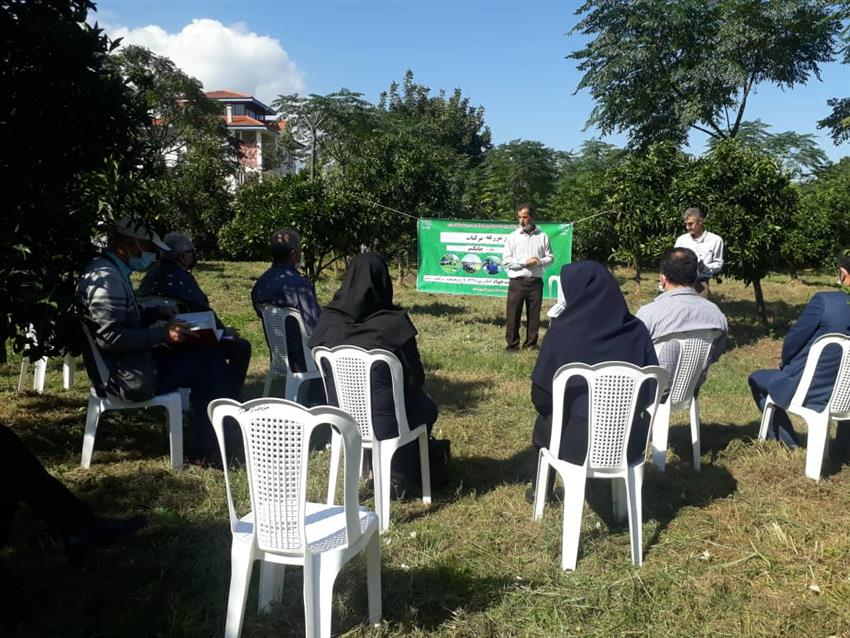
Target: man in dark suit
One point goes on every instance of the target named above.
(826, 312)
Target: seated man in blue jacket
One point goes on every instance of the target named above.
(826, 312)
(172, 277)
(137, 350)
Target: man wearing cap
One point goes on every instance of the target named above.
(136, 349)
(172, 277)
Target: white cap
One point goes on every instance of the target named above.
(137, 230)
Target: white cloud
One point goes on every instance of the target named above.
(222, 57)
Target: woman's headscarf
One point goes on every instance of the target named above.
(362, 312)
(595, 326)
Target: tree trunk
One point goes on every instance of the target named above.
(637, 276)
(761, 310)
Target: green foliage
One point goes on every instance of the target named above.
(643, 190)
(61, 188)
(658, 68)
(821, 225)
(327, 220)
(451, 122)
(189, 155)
(510, 174)
(799, 152)
(316, 124)
(580, 196)
(398, 168)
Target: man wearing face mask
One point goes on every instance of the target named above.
(135, 348)
(525, 256)
(172, 277)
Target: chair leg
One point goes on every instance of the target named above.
(174, 421)
(39, 376)
(425, 467)
(660, 430)
(267, 387)
(69, 369)
(22, 378)
(333, 470)
(381, 474)
(373, 579)
(573, 507)
(271, 585)
(540, 495)
(766, 418)
(318, 595)
(290, 388)
(695, 442)
(93, 413)
(241, 563)
(816, 446)
(634, 485)
(619, 498)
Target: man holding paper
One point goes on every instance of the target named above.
(525, 256)
(172, 277)
(137, 350)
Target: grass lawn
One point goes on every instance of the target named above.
(748, 546)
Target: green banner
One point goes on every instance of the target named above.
(464, 257)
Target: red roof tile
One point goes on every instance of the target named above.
(216, 95)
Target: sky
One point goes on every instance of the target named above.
(508, 56)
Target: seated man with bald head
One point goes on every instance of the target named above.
(172, 277)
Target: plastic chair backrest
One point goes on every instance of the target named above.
(554, 283)
(274, 327)
(839, 401)
(96, 367)
(351, 371)
(614, 388)
(276, 435)
(691, 350)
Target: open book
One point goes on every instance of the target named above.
(203, 325)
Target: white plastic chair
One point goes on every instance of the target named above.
(351, 372)
(836, 409)
(554, 284)
(101, 401)
(688, 354)
(40, 371)
(69, 369)
(283, 528)
(613, 392)
(274, 326)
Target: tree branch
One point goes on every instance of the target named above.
(747, 86)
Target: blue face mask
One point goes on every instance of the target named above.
(143, 262)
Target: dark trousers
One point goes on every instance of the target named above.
(24, 479)
(528, 291)
(205, 373)
(237, 353)
(781, 427)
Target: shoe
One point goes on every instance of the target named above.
(532, 347)
(512, 349)
(99, 532)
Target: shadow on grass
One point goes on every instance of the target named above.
(714, 438)
(437, 309)
(482, 474)
(744, 326)
(453, 394)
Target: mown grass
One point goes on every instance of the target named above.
(748, 546)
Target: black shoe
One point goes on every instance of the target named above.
(533, 346)
(99, 532)
(205, 462)
(512, 349)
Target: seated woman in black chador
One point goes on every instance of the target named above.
(362, 314)
(595, 326)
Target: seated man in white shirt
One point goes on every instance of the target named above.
(680, 308)
(707, 246)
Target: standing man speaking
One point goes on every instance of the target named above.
(526, 255)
